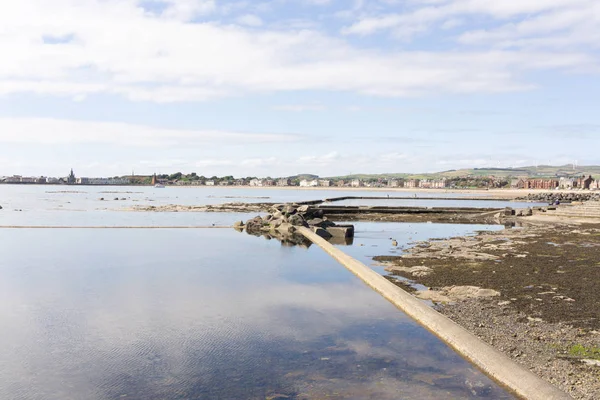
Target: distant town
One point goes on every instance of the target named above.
(471, 179)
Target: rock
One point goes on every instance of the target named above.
(297, 220)
(0, 207)
(255, 224)
(418, 271)
(455, 293)
(290, 209)
(116, 198)
(277, 214)
(303, 209)
(276, 223)
(394, 243)
(101, 199)
(322, 233)
(238, 224)
(286, 229)
(315, 222)
(322, 223)
(528, 212)
(341, 230)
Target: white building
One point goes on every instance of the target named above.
(256, 182)
(210, 183)
(325, 182)
(357, 183)
(28, 179)
(307, 183)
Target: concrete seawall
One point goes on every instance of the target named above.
(496, 365)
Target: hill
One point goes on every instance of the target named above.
(540, 171)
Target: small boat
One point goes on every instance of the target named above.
(159, 186)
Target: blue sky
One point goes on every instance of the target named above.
(296, 86)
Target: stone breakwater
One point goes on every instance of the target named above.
(284, 219)
(551, 197)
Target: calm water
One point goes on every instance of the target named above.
(206, 314)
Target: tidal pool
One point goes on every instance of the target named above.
(205, 314)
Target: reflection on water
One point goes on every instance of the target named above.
(205, 314)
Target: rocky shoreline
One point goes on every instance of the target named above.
(550, 197)
(531, 293)
(225, 208)
(282, 221)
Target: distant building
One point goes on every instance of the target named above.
(27, 179)
(341, 183)
(210, 183)
(284, 182)
(71, 180)
(432, 183)
(545, 184)
(240, 182)
(357, 183)
(269, 182)
(412, 183)
(393, 183)
(307, 183)
(585, 183)
(325, 182)
(256, 182)
(102, 181)
(13, 179)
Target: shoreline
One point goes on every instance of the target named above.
(504, 192)
(531, 293)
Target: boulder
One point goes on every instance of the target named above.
(297, 220)
(315, 222)
(341, 231)
(277, 214)
(322, 233)
(255, 224)
(303, 209)
(286, 229)
(290, 209)
(528, 212)
(277, 222)
(238, 224)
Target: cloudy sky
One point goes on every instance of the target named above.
(296, 86)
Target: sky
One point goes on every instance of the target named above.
(283, 87)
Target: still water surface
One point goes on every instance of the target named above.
(203, 314)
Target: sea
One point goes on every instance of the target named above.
(90, 309)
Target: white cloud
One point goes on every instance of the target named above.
(579, 19)
(117, 47)
(250, 20)
(67, 132)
